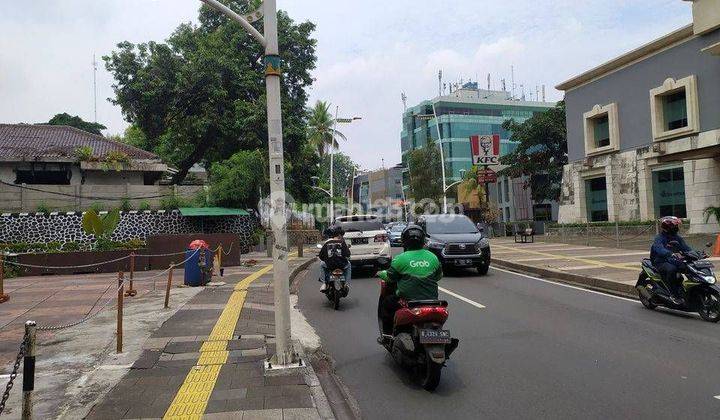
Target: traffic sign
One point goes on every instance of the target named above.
(486, 176)
(485, 149)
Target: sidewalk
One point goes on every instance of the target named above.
(206, 361)
(609, 269)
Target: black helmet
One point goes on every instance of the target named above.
(670, 224)
(413, 237)
(335, 230)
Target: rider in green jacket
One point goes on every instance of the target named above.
(415, 274)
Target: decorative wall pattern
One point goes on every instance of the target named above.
(67, 227)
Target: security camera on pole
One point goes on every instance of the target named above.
(285, 354)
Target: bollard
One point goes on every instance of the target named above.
(617, 234)
(169, 284)
(300, 248)
(269, 245)
(28, 371)
(131, 290)
(3, 296)
(587, 229)
(121, 287)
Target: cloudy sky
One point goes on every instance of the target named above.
(368, 51)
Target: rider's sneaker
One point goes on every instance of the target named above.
(324, 287)
(677, 300)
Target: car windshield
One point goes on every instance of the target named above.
(451, 224)
(398, 228)
(361, 225)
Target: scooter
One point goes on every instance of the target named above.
(336, 288)
(699, 283)
(418, 340)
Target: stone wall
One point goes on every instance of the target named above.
(67, 227)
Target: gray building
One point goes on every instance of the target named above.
(379, 191)
(644, 130)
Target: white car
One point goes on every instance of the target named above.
(367, 238)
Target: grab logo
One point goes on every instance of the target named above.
(415, 264)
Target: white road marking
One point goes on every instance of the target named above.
(566, 285)
(463, 298)
(717, 397)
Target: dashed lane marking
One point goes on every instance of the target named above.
(462, 298)
(717, 397)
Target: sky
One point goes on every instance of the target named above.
(368, 52)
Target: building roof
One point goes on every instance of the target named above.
(653, 47)
(23, 142)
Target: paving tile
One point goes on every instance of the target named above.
(147, 359)
(285, 380)
(262, 415)
(264, 391)
(216, 406)
(232, 415)
(229, 394)
(245, 404)
(300, 414)
(289, 401)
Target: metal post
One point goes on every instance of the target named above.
(268, 245)
(3, 296)
(587, 232)
(617, 234)
(120, 294)
(28, 371)
(169, 284)
(299, 247)
(284, 351)
(131, 290)
(442, 159)
(332, 166)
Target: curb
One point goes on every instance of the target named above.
(593, 283)
(300, 268)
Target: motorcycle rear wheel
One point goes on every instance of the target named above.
(642, 282)
(431, 375)
(709, 307)
(336, 300)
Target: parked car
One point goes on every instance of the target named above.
(395, 233)
(367, 238)
(456, 241)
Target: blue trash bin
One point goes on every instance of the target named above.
(193, 273)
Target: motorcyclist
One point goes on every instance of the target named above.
(334, 255)
(415, 274)
(666, 256)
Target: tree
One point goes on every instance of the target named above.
(237, 182)
(470, 186)
(425, 176)
(322, 134)
(344, 168)
(541, 154)
(77, 122)
(200, 96)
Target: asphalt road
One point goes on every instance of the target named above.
(537, 350)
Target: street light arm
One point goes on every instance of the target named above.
(323, 190)
(453, 184)
(241, 20)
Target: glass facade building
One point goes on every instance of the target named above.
(466, 112)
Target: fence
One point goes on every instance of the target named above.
(27, 198)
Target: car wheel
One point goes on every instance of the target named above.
(483, 269)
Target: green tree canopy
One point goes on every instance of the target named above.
(425, 175)
(237, 182)
(541, 154)
(322, 134)
(200, 96)
(77, 122)
(344, 168)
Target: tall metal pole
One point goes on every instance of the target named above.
(332, 166)
(278, 221)
(442, 159)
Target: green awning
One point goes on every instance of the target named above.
(211, 212)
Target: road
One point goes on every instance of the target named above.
(536, 350)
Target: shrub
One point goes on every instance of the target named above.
(125, 204)
(71, 246)
(53, 246)
(84, 154)
(96, 207)
(135, 243)
(172, 202)
(144, 205)
(43, 208)
(115, 160)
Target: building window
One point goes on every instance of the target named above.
(542, 212)
(669, 192)
(506, 189)
(596, 199)
(499, 192)
(602, 132)
(674, 108)
(43, 176)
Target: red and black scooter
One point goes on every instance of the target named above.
(418, 340)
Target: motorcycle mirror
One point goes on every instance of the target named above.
(383, 263)
(709, 245)
(318, 246)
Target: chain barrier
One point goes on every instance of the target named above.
(160, 255)
(14, 373)
(66, 266)
(86, 318)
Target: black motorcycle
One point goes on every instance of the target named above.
(336, 288)
(699, 285)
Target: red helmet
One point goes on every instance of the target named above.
(670, 224)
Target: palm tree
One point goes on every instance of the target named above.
(321, 132)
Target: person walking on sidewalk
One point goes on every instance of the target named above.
(666, 256)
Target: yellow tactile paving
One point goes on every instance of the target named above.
(568, 257)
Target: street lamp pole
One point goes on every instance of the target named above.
(284, 352)
(442, 159)
(332, 165)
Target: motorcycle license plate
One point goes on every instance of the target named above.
(435, 337)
